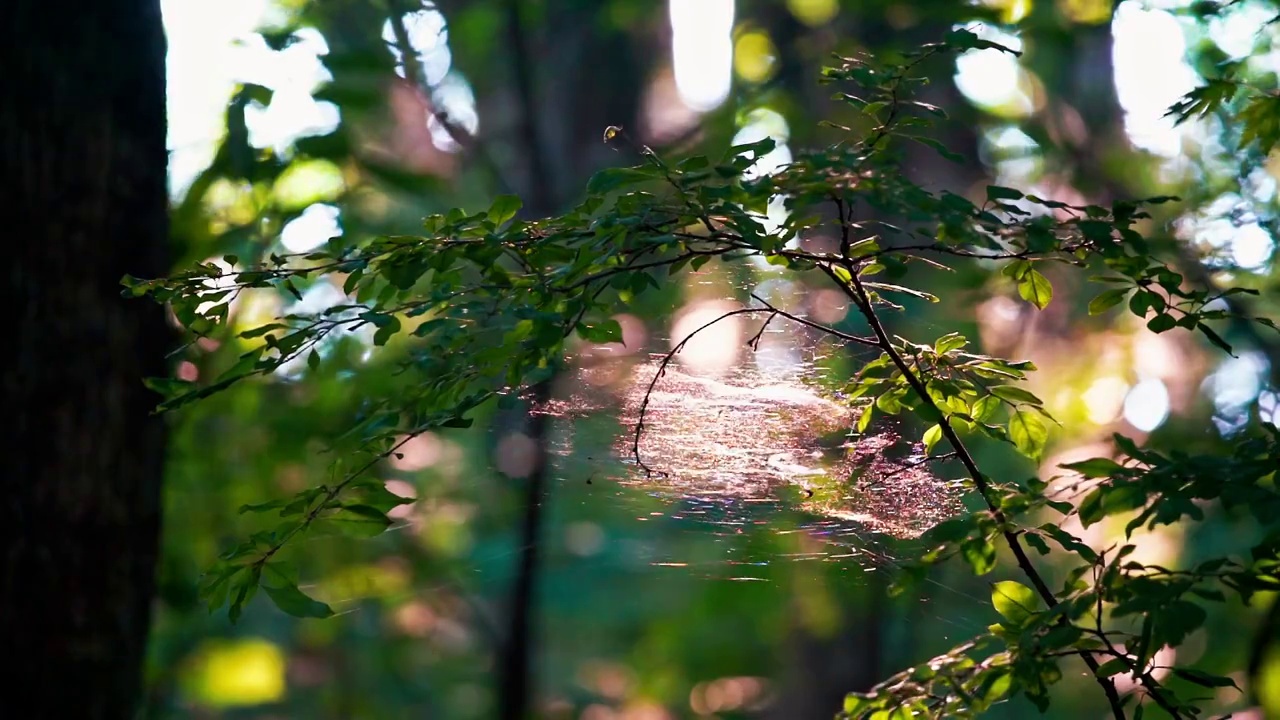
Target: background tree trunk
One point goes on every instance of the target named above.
(83, 161)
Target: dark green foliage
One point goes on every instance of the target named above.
(507, 293)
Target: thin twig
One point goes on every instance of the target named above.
(913, 465)
(670, 355)
(867, 342)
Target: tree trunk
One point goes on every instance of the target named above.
(82, 153)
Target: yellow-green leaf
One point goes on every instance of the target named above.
(931, 438)
(1014, 601)
(1106, 300)
(1028, 433)
(1035, 289)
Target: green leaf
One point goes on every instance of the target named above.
(360, 520)
(1215, 338)
(605, 331)
(1035, 289)
(1203, 100)
(215, 585)
(949, 342)
(1090, 510)
(1015, 395)
(1015, 602)
(242, 590)
(931, 438)
(264, 507)
(995, 686)
(756, 150)
(864, 420)
(1095, 467)
(1112, 667)
(612, 179)
(376, 495)
(928, 411)
(504, 208)
(950, 530)
(980, 554)
(284, 592)
(889, 403)
(996, 192)
(1028, 433)
(1162, 323)
(855, 703)
(386, 323)
(985, 408)
(1107, 300)
(968, 40)
(1016, 269)
(1205, 679)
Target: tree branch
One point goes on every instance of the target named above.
(859, 296)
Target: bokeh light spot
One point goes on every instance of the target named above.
(814, 12)
(1146, 407)
(238, 673)
(754, 56)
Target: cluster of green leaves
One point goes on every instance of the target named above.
(502, 292)
(506, 293)
(1244, 100)
(1116, 609)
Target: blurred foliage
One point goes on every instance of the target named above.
(419, 608)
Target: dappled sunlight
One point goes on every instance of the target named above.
(1159, 666)
(717, 348)
(306, 182)
(702, 50)
(1146, 406)
(608, 679)
(293, 73)
(1104, 399)
(1233, 386)
(516, 455)
(428, 35)
(314, 227)
(755, 58)
(729, 694)
(1226, 232)
(417, 141)
(1151, 74)
(828, 306)
(584, 539)
(814, 12)
(594, 361)
(418, 452)
(994, 80)
(665, 116)
(752, 436)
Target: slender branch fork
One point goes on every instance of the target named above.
(670, 355)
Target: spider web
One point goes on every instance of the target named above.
(737, 449)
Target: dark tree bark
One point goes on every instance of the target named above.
(82, 157)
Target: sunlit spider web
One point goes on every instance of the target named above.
(729, 446)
